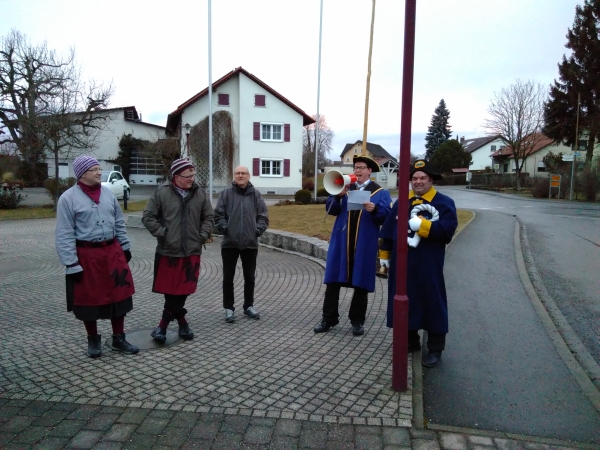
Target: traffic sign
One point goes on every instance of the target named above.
(555, 183)
(567, 157)
(555, 177)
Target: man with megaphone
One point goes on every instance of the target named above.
(354, 243)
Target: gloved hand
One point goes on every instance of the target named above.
(415, 223)
(75, 277)
(384, 263)
(127, 255)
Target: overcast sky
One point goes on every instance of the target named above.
(156, 53)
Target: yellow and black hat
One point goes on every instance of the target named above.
(370, 162)
(421, 165)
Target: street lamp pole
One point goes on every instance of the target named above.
(400, 337)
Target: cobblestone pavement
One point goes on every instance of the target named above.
(268, 383)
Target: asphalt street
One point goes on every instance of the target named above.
(500, 370)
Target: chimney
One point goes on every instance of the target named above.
(462, 139)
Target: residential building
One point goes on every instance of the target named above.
(257, 127)
(481, 150)
(121, 121)
(534, 160)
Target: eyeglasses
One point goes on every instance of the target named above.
(187, 177)
(241, 173)
(360, 168)
(97, 169)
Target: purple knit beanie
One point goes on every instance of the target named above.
(179, 165)
(82, 164)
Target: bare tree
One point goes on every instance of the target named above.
(517, 116)
(309, 145)
(44, 105)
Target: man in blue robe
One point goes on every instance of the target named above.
(353, 247)
(432, 222)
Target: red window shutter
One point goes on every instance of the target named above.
(257, 131)
(286, 132)
(259, 100)
(255, 167)
(224, 99)
(286, 167)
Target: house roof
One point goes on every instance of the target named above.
(377, 150)
(137, 118)
(471, 145)
(541, 141)
(460, 170)
(174, 118)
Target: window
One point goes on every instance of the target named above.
(271, 132)
(347, 159)
(355, 151)
(514, 166)
(271, 167)
(260, 100)
(223, 100)
(541, 167)
(493, 149)
(505, 168)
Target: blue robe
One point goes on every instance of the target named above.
(426, 290)
(354, 239)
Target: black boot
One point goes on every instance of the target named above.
(119, 344)
(94, 346)
(159, 334)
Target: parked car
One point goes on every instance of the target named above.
(116, 182)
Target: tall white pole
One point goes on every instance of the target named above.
(318, 100)
(210, 134)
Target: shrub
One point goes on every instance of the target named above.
(588, 182)
(541, 187)
(10, 199)
(64, 184)
(8, 176)
(303, 197)
(308, 185)
(322, 192)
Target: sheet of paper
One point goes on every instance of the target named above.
(357, 198)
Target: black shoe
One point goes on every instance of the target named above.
(119, 344)
(94, 346)
(185, 333)
(357, 329)
(324, 327)
(432, 360)
(159, 334)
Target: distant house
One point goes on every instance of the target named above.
(388, 163)
(123, 120)
(481, 150)
(534, 161)
(264, 133)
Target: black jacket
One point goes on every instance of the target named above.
(241, 217)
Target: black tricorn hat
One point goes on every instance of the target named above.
(370, 162)
(420, 165)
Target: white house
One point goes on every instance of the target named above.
(481, 150)
(534, 161)
(122, 121)
(266, 132)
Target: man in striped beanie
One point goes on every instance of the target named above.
(180, 216)
(82, 164)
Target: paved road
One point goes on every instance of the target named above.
(500, 370)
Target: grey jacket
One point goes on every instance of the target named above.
(241, 216)
(180, 225)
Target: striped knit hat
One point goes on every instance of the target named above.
(82, 164)
(179, 165)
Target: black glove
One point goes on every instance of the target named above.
(75, 277)
(127, 255)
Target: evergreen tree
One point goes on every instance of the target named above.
(579, 74)
(450, 155)
(439, 130)
(128, 145)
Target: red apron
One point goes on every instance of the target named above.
(106, 276)
(176, 276)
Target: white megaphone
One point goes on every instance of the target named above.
(334, 181)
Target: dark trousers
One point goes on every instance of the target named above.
(230, 257)
(436, 342)
(358, 306)
(174, 304)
